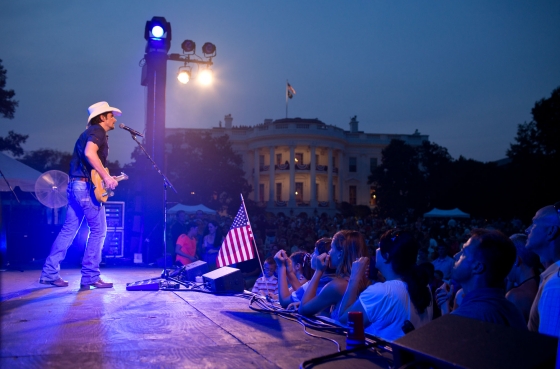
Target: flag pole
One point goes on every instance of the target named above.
(286, 99)
(254, 243)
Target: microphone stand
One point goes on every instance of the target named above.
(166, 183)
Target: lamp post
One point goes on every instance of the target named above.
(157, 34)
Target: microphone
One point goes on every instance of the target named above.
(133, 132)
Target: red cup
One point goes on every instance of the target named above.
(356, 335)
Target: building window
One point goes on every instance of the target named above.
(352, 195)
(278, 191)
(316, 191)
(353, 164)
(372, 197)
(316, 159)
(334, 161)
(261, 192)
(278, 159)
(372, 164)
(261, 161)
(299, 158)
(299, 191)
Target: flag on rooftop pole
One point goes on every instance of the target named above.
(291, 91)
(237, 245)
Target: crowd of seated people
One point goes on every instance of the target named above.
(394, 275)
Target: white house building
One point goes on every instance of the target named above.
(306, 165)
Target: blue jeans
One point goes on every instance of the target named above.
(80, 206)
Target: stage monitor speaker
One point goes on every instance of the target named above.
(193, 270)
(225, 279)
(145, 285)
(456, 342)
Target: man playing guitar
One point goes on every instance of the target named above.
(90, 153)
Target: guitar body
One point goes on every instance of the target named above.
(101, 194)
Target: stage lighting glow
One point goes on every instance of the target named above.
(157, 31)
(205, 77)
(183, 77)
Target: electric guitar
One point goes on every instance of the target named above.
(101, 193)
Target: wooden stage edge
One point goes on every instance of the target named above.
(49, 327)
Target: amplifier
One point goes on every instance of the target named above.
(114, 213)
(113, 246)
(456, 342)
(190, 271)
(225, 279)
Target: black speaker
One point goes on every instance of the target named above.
(225, 279)
(456, 342)
(193, 270)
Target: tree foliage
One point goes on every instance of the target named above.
(7, 103)
(48, 159)
(13, 143)
(535, 156)
(203, 169)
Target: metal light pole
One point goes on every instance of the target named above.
(154, 73)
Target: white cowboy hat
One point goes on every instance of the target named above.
(100, 108)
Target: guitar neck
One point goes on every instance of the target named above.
(121, 177)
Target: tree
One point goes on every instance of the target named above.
(8, 106)
(7, 103)
(535, 157)
(13, 143)
(47, 159)
(203, 169)
(398, 181)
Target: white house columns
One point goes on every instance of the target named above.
(312, 177)
(292, 198)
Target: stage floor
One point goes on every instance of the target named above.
(50, 327)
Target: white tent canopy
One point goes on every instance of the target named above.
(18, 174)
(192, 209)
(439, 213)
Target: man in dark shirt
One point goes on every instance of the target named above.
(90, 152)
(482, 267)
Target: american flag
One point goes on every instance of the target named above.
(237, 245)
(290, 90)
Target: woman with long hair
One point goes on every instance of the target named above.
(346, 247)
(288, 272)
(403, 302)
(211, 243)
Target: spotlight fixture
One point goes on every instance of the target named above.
(158, 34)
(205, 77)
(209, 49)
(188, 46)
(184, 75)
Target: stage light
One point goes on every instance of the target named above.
(209, 49)
(183, 76)
(158, 34)
(205, 77)
(188, 46)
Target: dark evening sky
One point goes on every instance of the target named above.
(466, 73)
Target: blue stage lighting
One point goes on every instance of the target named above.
(158, 34)
(157, 31)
